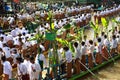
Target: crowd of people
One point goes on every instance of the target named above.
(18, 50)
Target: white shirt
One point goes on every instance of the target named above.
(77, 53)
(118, 40)
(1, 44)
(41, 57)
(68, 55)
(14, 56)
(91, 48)
(27, 64)
(42, 47)
(7, 69)
(106, 42)
(114, 44)
(99, 48)
(7, 52)
(60, 54)
(22, 69)
(83, 50)
(35, 70)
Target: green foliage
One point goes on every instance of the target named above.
(62, 41)
(114, 20)
(67, 26)
(95, 27)
(105, 22)
(80, 34)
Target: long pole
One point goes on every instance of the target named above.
(89, 70)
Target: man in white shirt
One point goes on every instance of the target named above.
(22, 69)
(83, 53)
(77, 57)
(68, 55)
(113, 45)
(35, 70)
(40, 58)
(7, 69)
(6, 50)
(106, 47)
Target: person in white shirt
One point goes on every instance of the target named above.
(84, 53)
(77, 57)
(99, 52)
(113, 45)
(35, 70)
(7, 69)
(68, 55)
(22, 69)
(106, 47)
(91, 50)
(40, 58)
(27, 62)
(6, 50)
(15, 54)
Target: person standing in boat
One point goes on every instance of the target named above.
(83, 54)
(91, 57)
(77, 57)
(68, 55)
(106, 47)
(99, 52)
(113, 45)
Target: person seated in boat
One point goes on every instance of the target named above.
(113, 45)
(68, 56)
(77, 57)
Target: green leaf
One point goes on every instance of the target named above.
(104, 22)
(62, 41)
(52, 26)
(67, 26)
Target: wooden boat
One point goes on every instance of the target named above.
(74, 77)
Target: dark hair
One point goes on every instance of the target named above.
(40, 49)
(105, 36)
(117, 36)
(19, 59)
(91, 42)
(76, 44)
(83, 43)
(27, 56)
(102, 33)
(3, 58)
(99, 39)
(114, 37)
(32, 58)
(66, 48)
